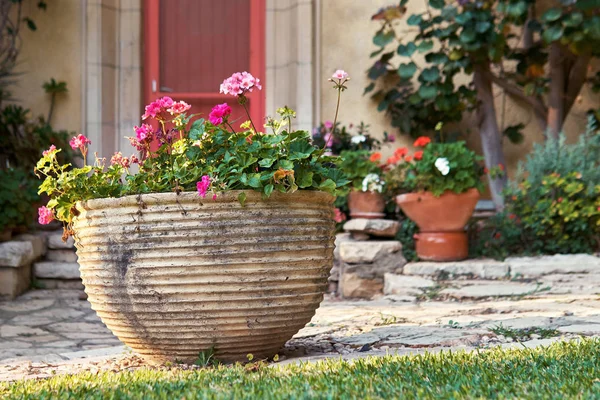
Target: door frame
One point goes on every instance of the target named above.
(151, 57)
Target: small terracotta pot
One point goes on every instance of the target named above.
(368, 205)
(447, 213)
(442, 246)
(441, 221)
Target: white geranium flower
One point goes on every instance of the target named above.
(372, 183)
(358, 139)
(443, 165)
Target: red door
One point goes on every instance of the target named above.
(191, 46)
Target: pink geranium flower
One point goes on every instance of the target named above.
(45, 215)
(340, 74)
(157, 108)
(143, 133)
(179, 107)
(239, 84)
(79, 142)
(203, 186)
(50, 150)
(219, 114)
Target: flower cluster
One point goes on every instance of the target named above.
(45, 215)
(239, 84)
(219, 114)
(118, 159)
(79, 142)
(443, 165)
(372, 183)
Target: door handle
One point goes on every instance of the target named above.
(166, 89)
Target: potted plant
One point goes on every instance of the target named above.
(222, 242)
(365, 198)
(441, 185)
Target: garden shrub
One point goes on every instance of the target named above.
(553, 204)
(18, 193)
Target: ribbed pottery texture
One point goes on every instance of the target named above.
(173, 275)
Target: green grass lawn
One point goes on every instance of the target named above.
(564, 370)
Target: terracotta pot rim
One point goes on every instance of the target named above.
(230, 196)
(408, 196)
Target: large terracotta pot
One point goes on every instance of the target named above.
(441, 221)
(370, 205)
(173, 275)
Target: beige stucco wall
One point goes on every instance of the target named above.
(53, 51)
(346, 42)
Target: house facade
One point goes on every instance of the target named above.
(117, 55)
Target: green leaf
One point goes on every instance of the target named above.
(242, 198)
(574, 19)
(268, 189)
(30, 24)
(300, 150)
(514, 133)
(414, 98)
(381, 39)
(482, 26)
(430, 74)
(406, 50)
(551, 15)
(437, 4)
(285, 164)
(427, 91)
(369, 88)
(254, 180)
(436, 58)
(425, 46)
(266, 162)
(414, 20)
(467, 36)
(552, 33)
(327, 186)
(406, 71)
(306, 180)
(376, 52)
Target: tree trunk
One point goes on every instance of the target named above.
(491, 138)
(556, 97)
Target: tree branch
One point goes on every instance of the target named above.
(535, 102)
(575, 81)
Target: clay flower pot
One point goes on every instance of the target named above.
(441, 221)
(370, 205)
(173, 275)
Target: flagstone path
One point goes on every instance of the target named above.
(53, 331)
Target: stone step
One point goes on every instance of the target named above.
(372, 227)
(485, 269)
(533, 267)
(61, 255)
(56, 270)
(55, 241)
(355, 252)
(404, 285)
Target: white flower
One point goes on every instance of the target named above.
(340, 74)
(358, 139)
(372, 183)
(443, 165)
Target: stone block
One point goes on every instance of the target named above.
(404, 285)
(73, 284)
(339, 238)
(368, 251)
(39, 243)
(532, 267)
(16, 253)
(55, 241)
(61, 255)
(485, 269)
(14, 280)
(56, 270)
(353, 286)
(373, 227)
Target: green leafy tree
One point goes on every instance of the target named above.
(537, 51)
